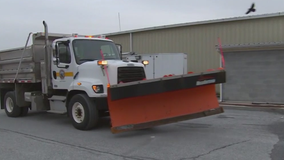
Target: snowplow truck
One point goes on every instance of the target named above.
(85, 77)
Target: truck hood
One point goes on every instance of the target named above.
(120, 63)
(111, 64)
(96, 73)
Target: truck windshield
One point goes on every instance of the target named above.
(89, 50)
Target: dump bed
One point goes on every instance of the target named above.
(9, 61)
(30, 68)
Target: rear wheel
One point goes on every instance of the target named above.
(11, 109)
(83, 112)
(24, 111)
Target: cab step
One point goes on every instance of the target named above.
(57, 112)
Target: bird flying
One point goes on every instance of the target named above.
(251, 9)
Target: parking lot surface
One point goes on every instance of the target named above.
(239, 133)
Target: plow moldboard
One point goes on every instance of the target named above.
(162, 108)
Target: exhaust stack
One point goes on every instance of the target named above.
(46, 61)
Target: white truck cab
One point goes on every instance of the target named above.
(90, 64)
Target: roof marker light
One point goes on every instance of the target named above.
(75, 34)
(89, 36)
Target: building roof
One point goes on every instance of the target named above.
(198, 23)
(251, 47)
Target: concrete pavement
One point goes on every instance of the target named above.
(239, 133)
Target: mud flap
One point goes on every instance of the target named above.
(144, 104)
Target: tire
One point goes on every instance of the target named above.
(24, 111)
(11, 109)
(90, 118)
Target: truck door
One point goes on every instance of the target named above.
(63, 67)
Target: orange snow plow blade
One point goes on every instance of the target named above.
(144, 104)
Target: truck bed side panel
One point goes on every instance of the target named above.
(29, 70)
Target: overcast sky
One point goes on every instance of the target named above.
(19, 17)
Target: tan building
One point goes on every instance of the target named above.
(199, 39)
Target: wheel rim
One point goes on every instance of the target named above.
(78, 112)
(9, 104)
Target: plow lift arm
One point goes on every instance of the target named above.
(147, 103)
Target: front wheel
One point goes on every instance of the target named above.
(83, 112)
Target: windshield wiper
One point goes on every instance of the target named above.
(86, 59)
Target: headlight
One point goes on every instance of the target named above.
(145, 62)
(98, 88)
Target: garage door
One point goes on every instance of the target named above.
(254, 73)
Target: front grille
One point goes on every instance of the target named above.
(130, 74)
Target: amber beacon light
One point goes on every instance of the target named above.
(102, 62)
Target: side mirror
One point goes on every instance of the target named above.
(119, 47)
(56, 50)
(56, 57)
